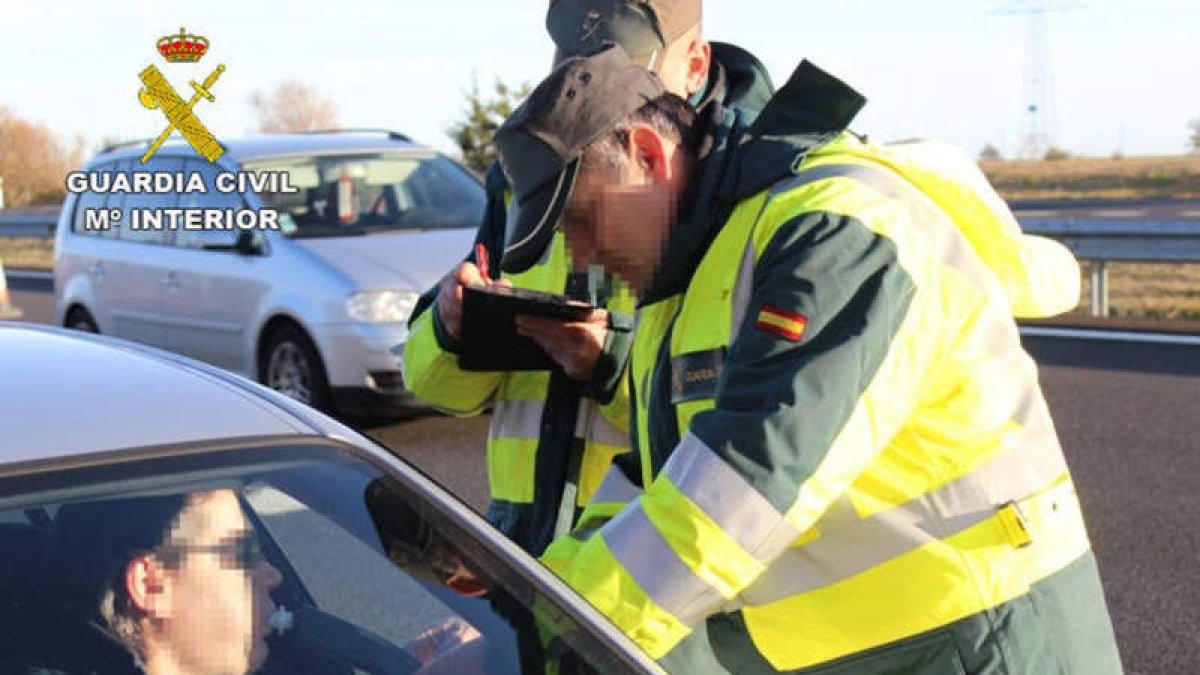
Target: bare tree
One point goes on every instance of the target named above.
(1194, 125)
(33, 162)
(293, 106)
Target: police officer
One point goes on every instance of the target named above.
(848, 464)
(553, 434)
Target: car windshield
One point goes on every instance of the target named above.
(338, 195)
(270, 559)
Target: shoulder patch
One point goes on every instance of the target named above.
(786, 325)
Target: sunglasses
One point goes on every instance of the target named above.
(242, 551)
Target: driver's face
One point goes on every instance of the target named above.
(219, 595)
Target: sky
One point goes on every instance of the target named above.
(1123, 73)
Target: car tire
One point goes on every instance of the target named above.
(290, 364)
(80, 319)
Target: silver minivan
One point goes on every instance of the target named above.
(365, 222)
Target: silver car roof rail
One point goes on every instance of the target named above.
(119, 145)
(391, 134)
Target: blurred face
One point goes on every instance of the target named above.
(620, 218)
(215, 603)
(620, 222)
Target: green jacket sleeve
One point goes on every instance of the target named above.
(827, 300)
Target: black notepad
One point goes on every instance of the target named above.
(489, 330)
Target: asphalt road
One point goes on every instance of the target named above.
(1128, 415)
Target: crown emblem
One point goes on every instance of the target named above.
(182, 47)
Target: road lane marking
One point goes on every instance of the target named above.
(1118, 213)
(1037, 214)
(1111, 336)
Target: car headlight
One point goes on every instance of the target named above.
(381, 306)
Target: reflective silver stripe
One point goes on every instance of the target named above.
(517, 419)
(848, 547)
(591, 425)
(742, 290)
(954, 250)
(728, 499)
(807, 176)
(615, 487)
(523, 419)
(653, 564)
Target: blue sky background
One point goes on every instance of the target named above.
(1126, 74)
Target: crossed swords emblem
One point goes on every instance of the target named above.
(158, 93)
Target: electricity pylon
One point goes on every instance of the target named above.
(1038, 124)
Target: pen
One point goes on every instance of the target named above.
(481, 259)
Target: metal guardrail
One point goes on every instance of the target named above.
(1097, 241)
(1100, 241)
(28, 222)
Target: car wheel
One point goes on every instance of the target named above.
(80, 319)
(291, 366)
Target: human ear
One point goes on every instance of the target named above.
(146, 584)
(699, 60)
(650, 152)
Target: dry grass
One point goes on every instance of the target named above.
(31, 252)
(1149, 290)
(1173, 177)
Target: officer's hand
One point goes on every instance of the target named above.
(574, 345)
(450, 295)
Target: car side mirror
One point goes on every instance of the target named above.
(248, 244)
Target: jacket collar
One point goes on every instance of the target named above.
(737, 79)
(807, 112)
(742, 154)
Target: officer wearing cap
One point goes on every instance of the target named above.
(848, 464)
(553, 434)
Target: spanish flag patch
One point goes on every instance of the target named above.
(784, 324)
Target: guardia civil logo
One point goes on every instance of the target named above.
(187, 49)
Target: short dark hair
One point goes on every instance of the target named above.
(668, 114)
(104, 536)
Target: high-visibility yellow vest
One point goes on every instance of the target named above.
(518, 399)
(945, 493)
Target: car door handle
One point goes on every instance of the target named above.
(171, 281)
(97, 270)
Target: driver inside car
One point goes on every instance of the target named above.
(179, 581)
(178, 585)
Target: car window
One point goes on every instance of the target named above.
(276, 560)
(222, 239)
(94, 201)
(142, 216)
(368, 193)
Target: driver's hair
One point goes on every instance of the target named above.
(120, 616)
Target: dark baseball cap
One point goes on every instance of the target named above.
(642, 27)
(540, 144)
